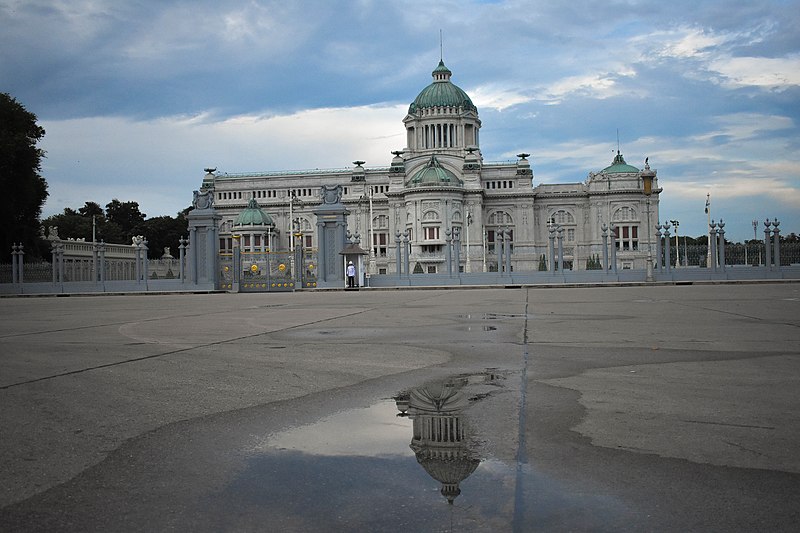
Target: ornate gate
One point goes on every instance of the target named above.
(269, 271)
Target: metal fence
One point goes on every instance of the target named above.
(735, 254)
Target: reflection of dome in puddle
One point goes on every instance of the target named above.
(440, 435)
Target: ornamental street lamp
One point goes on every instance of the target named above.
(647, 183)
(677, 246)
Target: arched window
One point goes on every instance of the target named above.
(430, 216)
(624, 214)
(498, 220)
(561, 217)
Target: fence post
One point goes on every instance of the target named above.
(721, 251)
(182, 249)
(551, 251)
(658, 246)
(776, 248)
(102, 247)
(605, 247)
(145, 263)
(448, 252)
(767, 251)
(14, 275)
(613, 249)
(712, 245)
(560, 238)
(667, 259)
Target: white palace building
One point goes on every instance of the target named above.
(438, 183)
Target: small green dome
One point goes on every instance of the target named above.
(432, 175)
(253, 216)
(619, 166)
(441, 93)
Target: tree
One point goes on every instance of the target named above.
(126, 215)
(91, 209)
(20, 181)
(162, 232)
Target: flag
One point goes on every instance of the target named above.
(708, 202)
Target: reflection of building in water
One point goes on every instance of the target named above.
(440, 434)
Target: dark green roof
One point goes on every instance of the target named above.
(442, 92)
(433, 174)
(253, 216)
(619, 166)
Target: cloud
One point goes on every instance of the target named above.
(765, 72)
(159, 162)
(495, 96)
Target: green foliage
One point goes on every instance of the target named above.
(162, 232)
(593, 263)
(542, 263)
(20, 181)
(126, 215)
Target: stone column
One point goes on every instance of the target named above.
(560, 238)
(145, 261)
(398, 254)
(457, 251)
(767, 251)
(605, 248)
(14, 275)
(721, 245)
(182, 253)
(712, 245)
(448, 253)
(407, 252)
(60, 262)
(551, 250)
(498, 246)
(507, 251)
(658, 246)
(102, 250)
(776, 248)
(667, 261)
(613, 236)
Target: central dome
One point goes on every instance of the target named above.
(619, 166)
(441, 93)
(253, 215)
(434, 174)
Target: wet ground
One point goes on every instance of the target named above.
(609, 409)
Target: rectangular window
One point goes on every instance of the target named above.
(432, 234)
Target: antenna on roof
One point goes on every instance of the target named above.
(441, 48)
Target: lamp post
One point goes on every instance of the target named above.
(647, 183)
(677, 248)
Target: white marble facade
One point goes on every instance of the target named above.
(438, 183)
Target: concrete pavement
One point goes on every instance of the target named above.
(661, 408)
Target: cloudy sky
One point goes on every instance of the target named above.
(138, 96)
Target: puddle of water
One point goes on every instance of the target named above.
(405, 464)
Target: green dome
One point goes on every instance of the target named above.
(253, 216)
(442, 92)
(619, 166)
(432, 175)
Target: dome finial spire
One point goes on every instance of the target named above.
(441, 46)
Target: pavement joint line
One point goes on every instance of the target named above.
(723, 311)
(173, 352)
(89, 326)
(522, 455)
